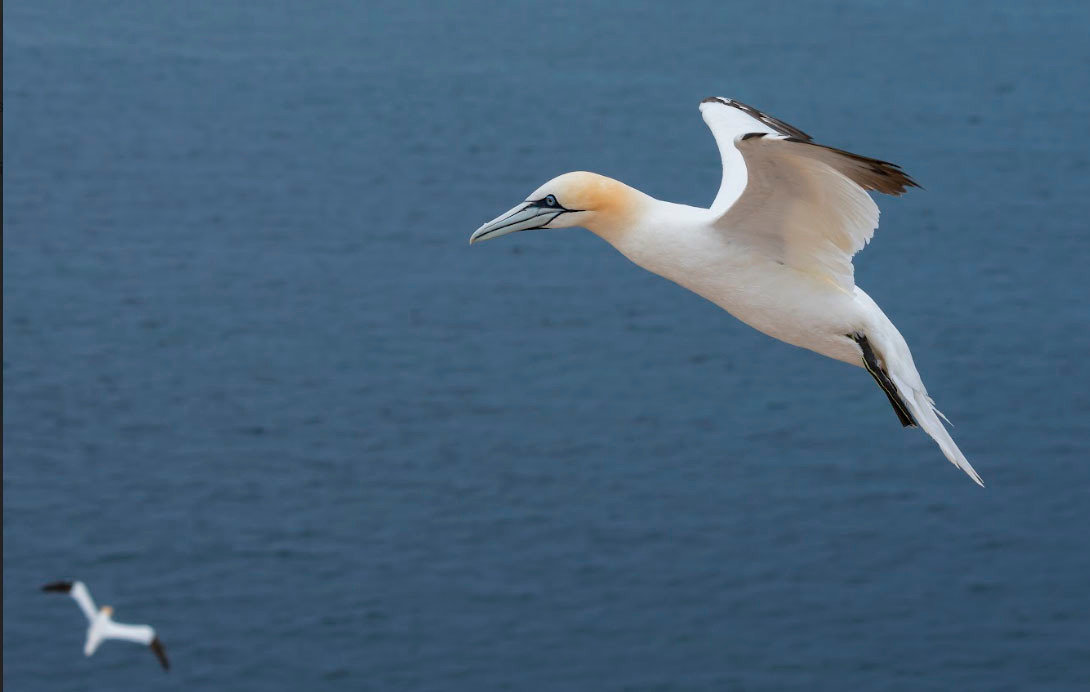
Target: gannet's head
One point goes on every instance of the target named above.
(107, 610)
(574, 199)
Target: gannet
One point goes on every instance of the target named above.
(101, 625)
(774, 249)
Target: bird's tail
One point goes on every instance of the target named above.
(889, 352)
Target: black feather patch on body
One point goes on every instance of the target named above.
(870, 362)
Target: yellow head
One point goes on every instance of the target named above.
(593, 201)
(108, 611)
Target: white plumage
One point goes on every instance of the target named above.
(774, 249)
(101, 626)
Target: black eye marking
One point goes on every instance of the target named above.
(547, 202)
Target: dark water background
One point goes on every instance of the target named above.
(259, 392)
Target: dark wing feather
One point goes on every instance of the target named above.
(870, 174)
(774, 123)
(160, 653)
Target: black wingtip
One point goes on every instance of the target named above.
(870, 174)
(58, 586)
(160, 653)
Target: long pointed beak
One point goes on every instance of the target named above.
(524, 217)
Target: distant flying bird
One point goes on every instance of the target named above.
(101, 625)
(774, 250)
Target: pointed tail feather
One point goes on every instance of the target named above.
(927, 416)
(896, 361)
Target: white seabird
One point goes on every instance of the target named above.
(774, 250)
(102, 626)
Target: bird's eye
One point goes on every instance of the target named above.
(550, 201)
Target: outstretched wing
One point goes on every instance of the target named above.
(79, 594)
(82, 596)
(141, 634)
(94, 639)
(800, 203)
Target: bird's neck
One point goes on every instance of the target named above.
(617, 208)
(641, 226)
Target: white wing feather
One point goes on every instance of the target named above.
(82, 597)
(141, 634)
(94, 639)
(797, 202)
(726, 124)
(799, 211)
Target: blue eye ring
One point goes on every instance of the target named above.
(550, 200)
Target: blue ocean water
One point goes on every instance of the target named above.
(259, 392)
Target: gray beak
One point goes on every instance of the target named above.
(525, 217)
